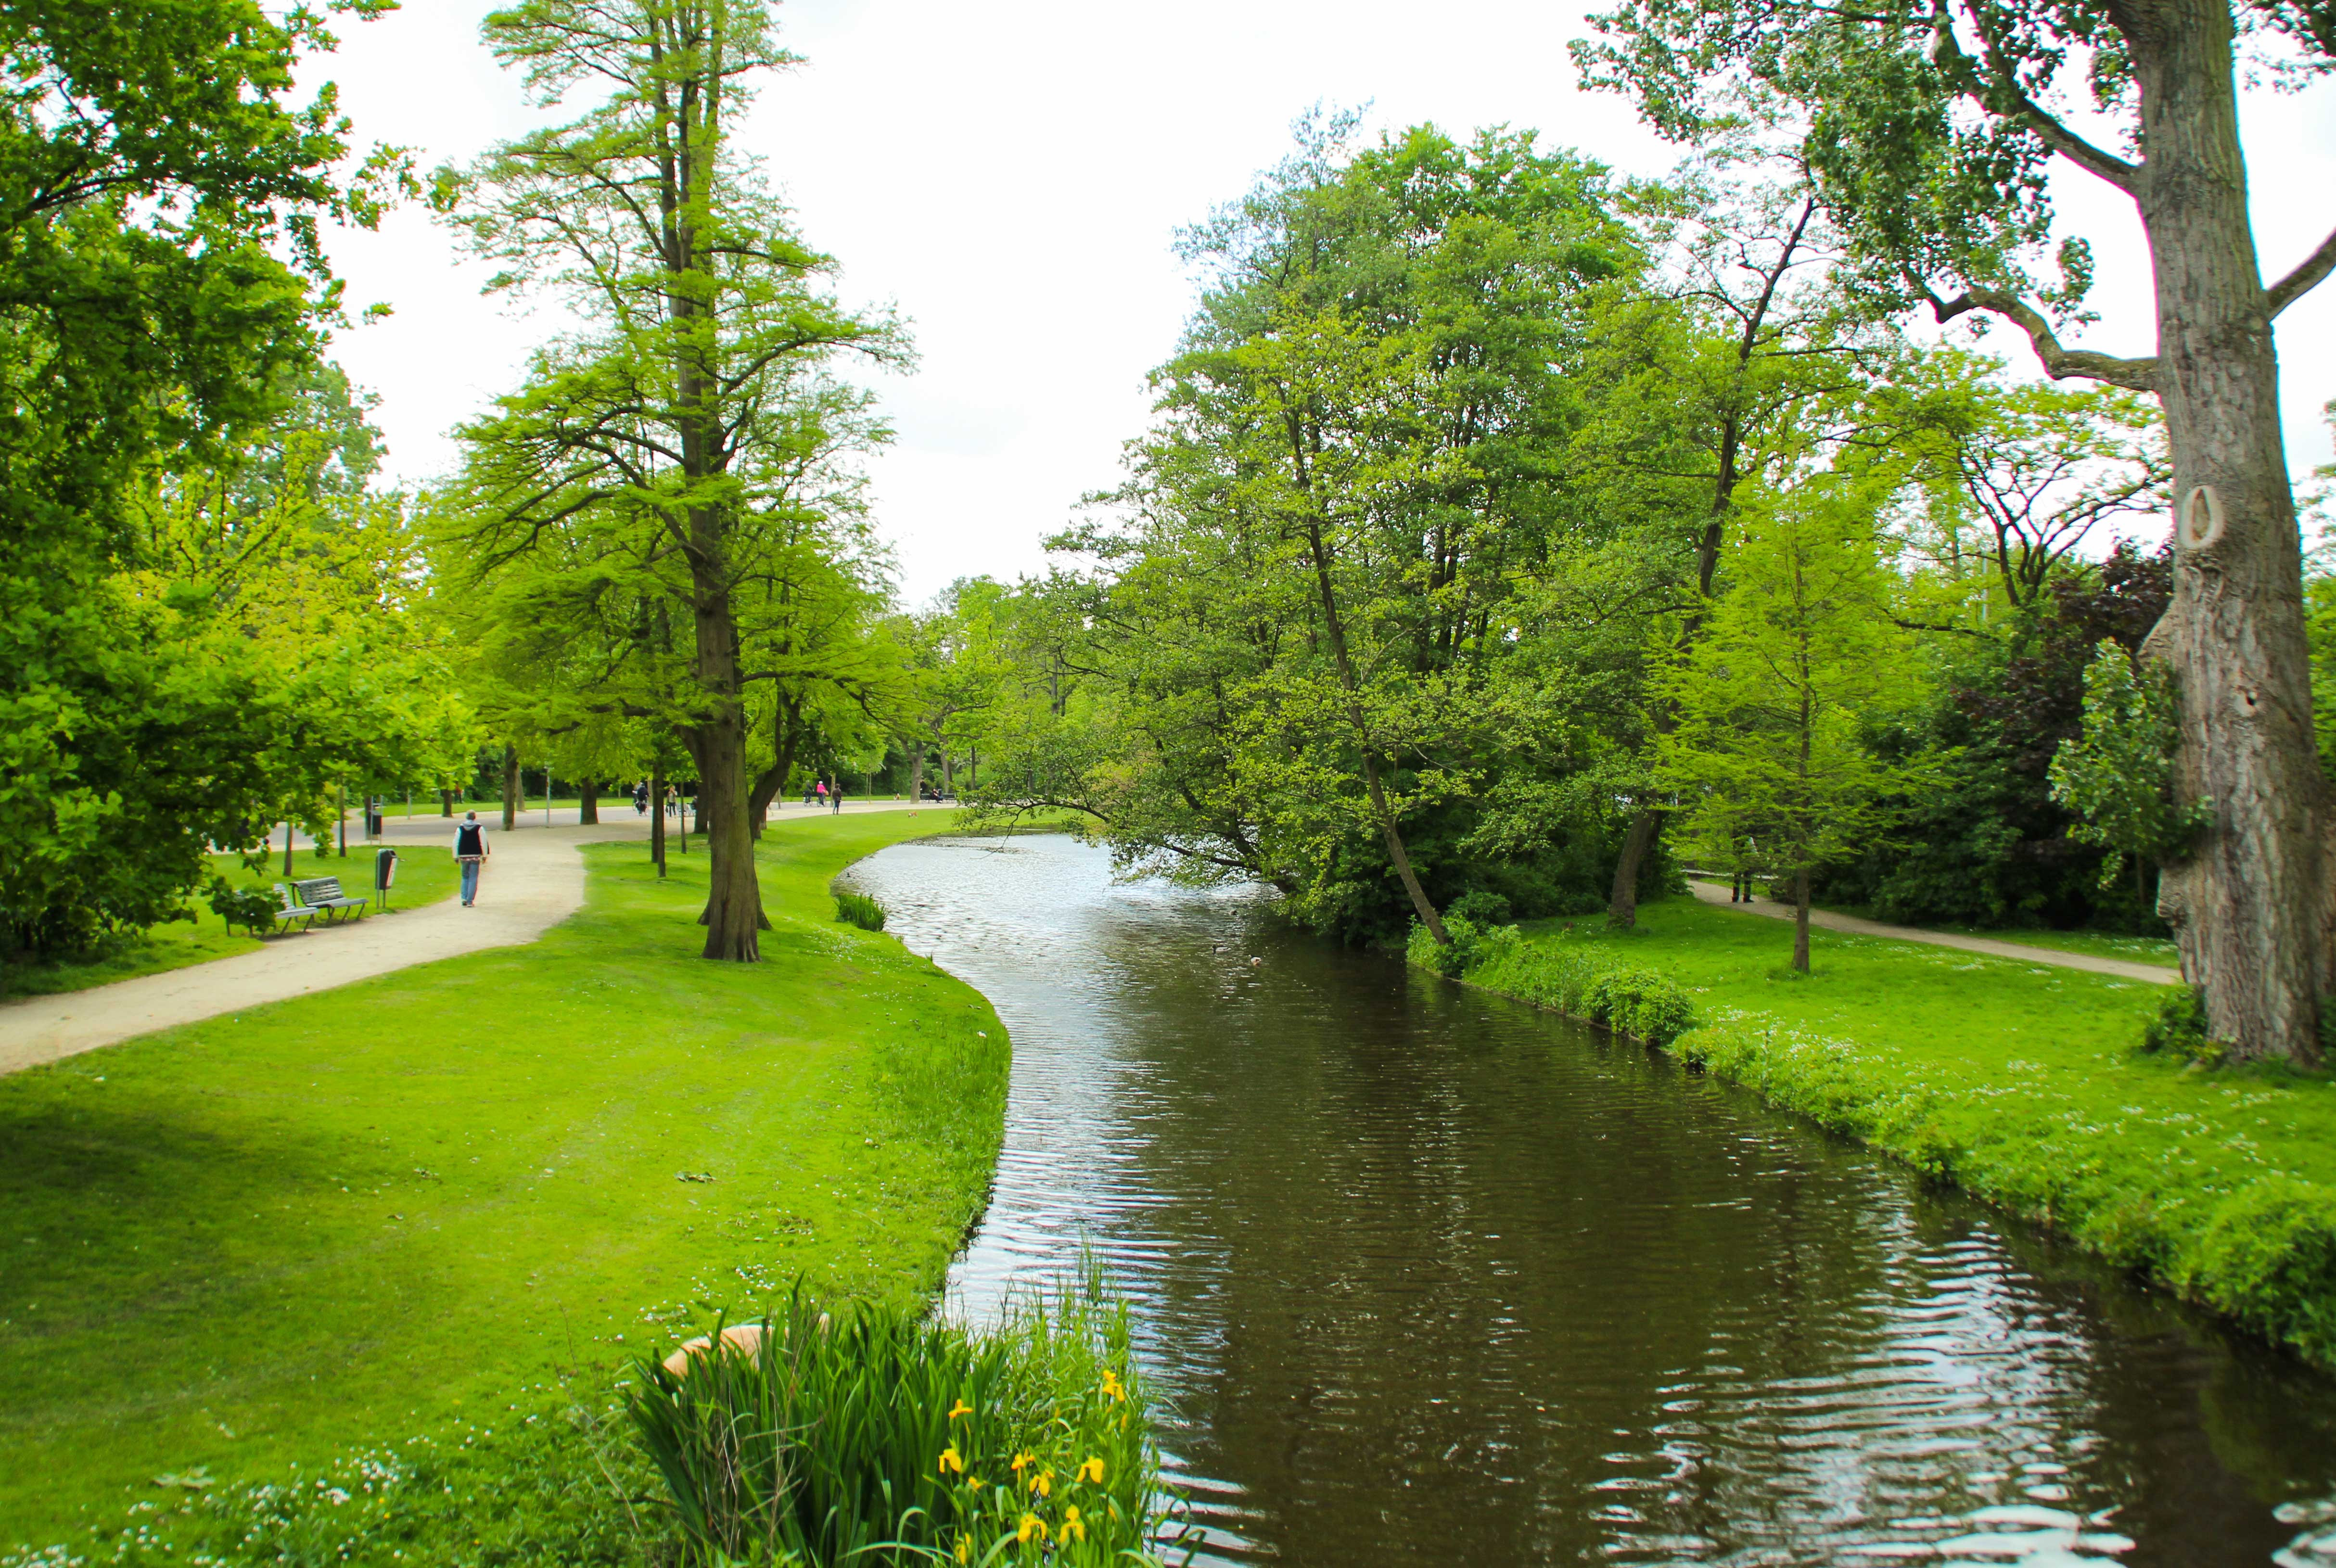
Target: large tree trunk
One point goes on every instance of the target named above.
(1622, 906)
(917, 773)
(734, 919)
(588, 804)
(445, 802)
(510, 786)
(2252, 906)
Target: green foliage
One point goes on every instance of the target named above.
(853, 1427)
(1565, 978)
(253, 909)
(2119, 774)
(2179, 1030)
(860, 910)
(1986, 844)
(1470, 945)
(1770, 754)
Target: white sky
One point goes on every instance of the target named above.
(1010, 176)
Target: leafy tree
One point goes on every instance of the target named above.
(676, 411)
(1926, 127)
(1769, 756)
(161, 284)
(2119, 772)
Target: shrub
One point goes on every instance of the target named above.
(1480, 907)
(1585, 987)
(1471, 945)
(2179, 1030)
(867, 1427)
(860, 910)
(250, 908)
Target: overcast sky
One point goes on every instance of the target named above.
(1011, 177)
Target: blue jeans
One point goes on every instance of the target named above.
(469, 880)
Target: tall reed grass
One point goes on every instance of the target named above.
(859, 909)
(875, 1433)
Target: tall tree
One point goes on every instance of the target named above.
(1927, 127)
(672, 404)
(1768, 754)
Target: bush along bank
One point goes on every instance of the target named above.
(2026, 1088)
(1559, 976)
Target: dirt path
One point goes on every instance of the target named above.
(1826, 919)
(534, 880)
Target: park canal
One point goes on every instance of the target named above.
(1431, 1277)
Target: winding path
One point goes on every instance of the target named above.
(534, 880)
(1712, 892)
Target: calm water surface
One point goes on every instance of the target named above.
(1431, 1277)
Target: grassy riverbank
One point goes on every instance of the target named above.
(423, 877)
(402, 1208)
(2021, 1083)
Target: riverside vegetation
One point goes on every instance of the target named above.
(467, 1192)
(2062, 1095)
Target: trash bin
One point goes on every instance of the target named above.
(385, 874)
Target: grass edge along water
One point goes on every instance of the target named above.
(2258, 1248)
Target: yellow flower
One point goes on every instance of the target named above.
(1111, 1385)
(1072, 1525)
(964, 1550)
(1032, 1528)
(1021, 1459)
(953, 1460)
(1043, 1483)
(1091, 1470)
(973, 1483)
(962, 1409)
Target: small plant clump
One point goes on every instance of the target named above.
(869, 1433)
(859, 909)
(2179, 1030)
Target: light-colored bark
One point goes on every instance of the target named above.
(2252, 907)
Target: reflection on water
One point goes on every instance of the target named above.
(1433, 1278)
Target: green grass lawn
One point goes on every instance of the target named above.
(423, 878)
(2097, 944)
(387, 1209)
(2023, 1083)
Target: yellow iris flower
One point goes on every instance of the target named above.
(964, 1550)
(962, 1409)
(1043, 1483)
(1091, 1470)
(1072, 1525)
(1032, 1528)
(1021, 1459)
(1111, 1385)
(953, 1460)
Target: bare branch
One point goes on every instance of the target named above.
(2307, 277)
(2060, 362)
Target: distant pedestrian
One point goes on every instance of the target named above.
(471, 852)
(640, 800)
(835, 800)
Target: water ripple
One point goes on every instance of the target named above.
(1430, 1277)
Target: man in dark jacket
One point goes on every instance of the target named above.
(471, 850)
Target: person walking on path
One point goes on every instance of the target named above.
(471, 851)
(835, 799)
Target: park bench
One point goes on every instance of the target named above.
(293, 910)
(324, 893)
